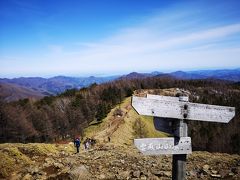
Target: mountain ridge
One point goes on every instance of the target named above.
(219, 74)
(58, 84)
(49, 86)
(11, 92)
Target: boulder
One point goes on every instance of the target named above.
(58, 165)
(49, 161)
(214, 172)
(79, 172)
(124, 174)
(102, 176)
(136, 174)
(27, 177)
(156, 172)
(167, 173)
(33, 170)
(215, 175)
(206, 167)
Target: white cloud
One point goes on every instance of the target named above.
(140, 49)
(143, 40)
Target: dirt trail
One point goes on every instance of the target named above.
(115, 121)
(119, 126)
(111, 126)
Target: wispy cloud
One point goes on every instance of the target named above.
(134, 49)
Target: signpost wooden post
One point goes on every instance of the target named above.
(170, 116)
(179, 160)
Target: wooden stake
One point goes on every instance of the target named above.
(179, 160)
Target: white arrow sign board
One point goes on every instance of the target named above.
(174, 109)
(156, 146)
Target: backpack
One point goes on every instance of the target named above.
(77, 142)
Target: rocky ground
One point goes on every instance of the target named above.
(108, 161)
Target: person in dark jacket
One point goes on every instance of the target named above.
(77, 143)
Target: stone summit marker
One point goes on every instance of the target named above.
(170, 115)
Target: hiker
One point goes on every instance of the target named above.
(85, 144)
(77, 143)
(109, 139)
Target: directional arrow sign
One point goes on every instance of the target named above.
(156, 146)
(180, 110)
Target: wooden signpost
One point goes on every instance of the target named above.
(182, 110)
(170, 115)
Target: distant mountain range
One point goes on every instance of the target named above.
(25, 87)
(223, 74)
(37, 87)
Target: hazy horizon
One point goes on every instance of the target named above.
(105, 38)
(117, 74)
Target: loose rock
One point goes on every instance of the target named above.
(136, 174)
(80, 173)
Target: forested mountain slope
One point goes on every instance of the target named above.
(67, 115)
(12, 92)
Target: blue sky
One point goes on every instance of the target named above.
(107, 37)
